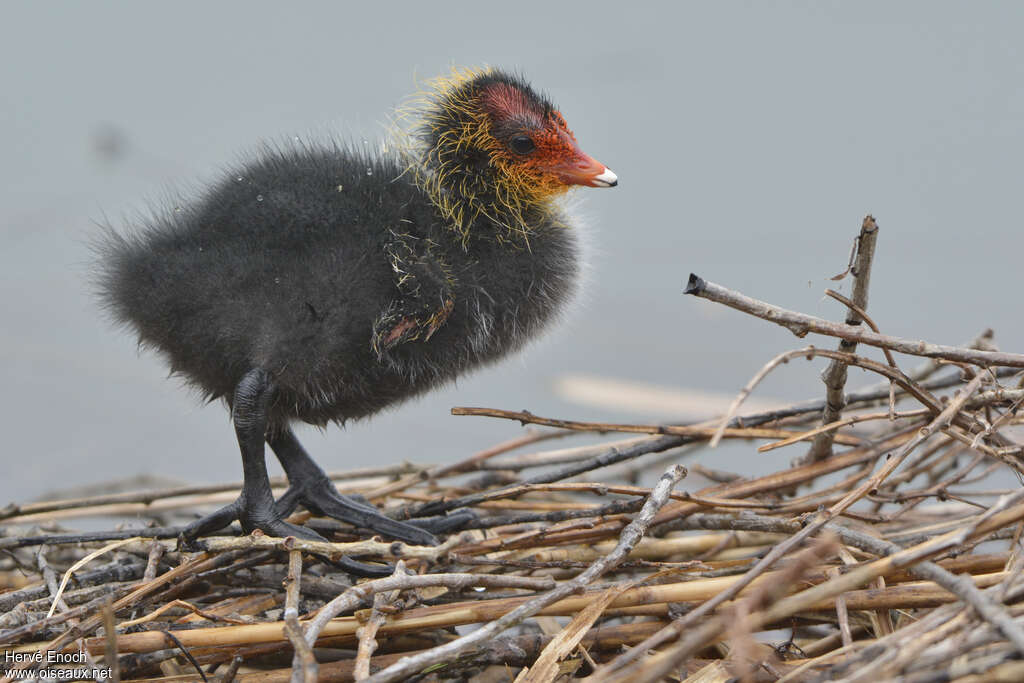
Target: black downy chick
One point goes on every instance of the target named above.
(324, 283)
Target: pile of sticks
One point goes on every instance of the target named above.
(889, 549)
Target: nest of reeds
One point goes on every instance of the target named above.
(886, 551)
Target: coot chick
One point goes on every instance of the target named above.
(324, 282)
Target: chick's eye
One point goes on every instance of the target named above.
(521, 144)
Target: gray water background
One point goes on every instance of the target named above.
(750, 140)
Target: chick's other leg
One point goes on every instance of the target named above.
(312, 488)
(254, 508)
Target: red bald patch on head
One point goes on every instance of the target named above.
(504, 101)
(550, 161)
(559, 120)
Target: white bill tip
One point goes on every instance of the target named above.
(606, 179)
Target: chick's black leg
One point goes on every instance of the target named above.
(312, 488)
(255, 507)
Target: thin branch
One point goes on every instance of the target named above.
(367, 633)
(800, 324)
(835, 375)
(357, 595)
(468, 465)
(631, 535)
(942, 420)
(147, 497)
(609, 456)
(696, 431)
(839, 424)
(304, 665)
(110, 633)
(811, 352)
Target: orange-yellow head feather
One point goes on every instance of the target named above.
(489, 145)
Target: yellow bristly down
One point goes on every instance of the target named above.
(517, 188)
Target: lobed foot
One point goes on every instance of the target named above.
(272, 525)
(319, 496)
(255, 508)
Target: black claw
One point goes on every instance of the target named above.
(357, 568)
(189, 545)
(215, 521)
(281, 529)
(446, 524)
(332, 504)
(432, 509)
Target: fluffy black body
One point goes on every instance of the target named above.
(320, 283)
(289, 263)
